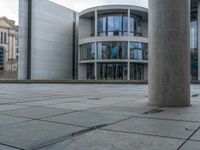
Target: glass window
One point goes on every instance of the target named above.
(194, 49)
(112, 71)
(87, 51)
(112, 50)
(90, 72)
(1, 37)
(5, 38)
(136, 25)
(136, 71)
(138, 51)
(102, 26)
(113, 25)
(1, 58)
(125, 25)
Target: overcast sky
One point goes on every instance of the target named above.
(9, 8)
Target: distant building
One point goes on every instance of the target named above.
(8, 45)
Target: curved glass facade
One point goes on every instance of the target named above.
(136, 25)
(138, 51)
(113, 25)
(112, 71)
(137, 71)
(112, 50)
(194, 49)
(117, 25)
(87, 51)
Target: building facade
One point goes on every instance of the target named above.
(113, 43)
(47, 40)
(100, 43)
(195, 39)
(8, 45)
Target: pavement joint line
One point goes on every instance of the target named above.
(11, 146)
(194, 140)
(168, 119)
(179, 148)
(118, 131)
(75, 125)
(70, 136)
(17, 122)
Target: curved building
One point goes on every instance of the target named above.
(113, 43)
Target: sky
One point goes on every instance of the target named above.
(9, 8)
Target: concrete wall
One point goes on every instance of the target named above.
(82, 72)
(86, 27)
(23, 35)
(52, 40)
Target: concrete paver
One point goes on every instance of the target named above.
(93, 117)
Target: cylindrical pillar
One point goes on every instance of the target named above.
(169, 55)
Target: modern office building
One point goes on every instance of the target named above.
(8, 45)
(47, 40)
(100, 43)
(113, 43)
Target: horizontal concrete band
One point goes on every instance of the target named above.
(76, 82)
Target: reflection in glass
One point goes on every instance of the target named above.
(194, 49)
(1, 58)
(136, 71)
(112, 71)
(138, 51)
(136, 25)
(112, 50)
(113, 25)
(90, 72)
(87, 51)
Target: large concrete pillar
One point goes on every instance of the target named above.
(169, 56)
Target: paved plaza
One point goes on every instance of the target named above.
(93, 117)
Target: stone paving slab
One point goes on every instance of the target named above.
(107, 140)
(2, 147)
(88, 118)
(166, 128)
(75, 106)
(58, 146)
(29, 135)
(7, 120)
(36, 112)
(191, 145)
(48, 102)
(196, 136)
(10, 107)
(93, 106)
(175, 115)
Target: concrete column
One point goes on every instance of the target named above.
(95, 65)
(169, 54)
(129, 21)
(96, 23)
(128, 61)
(198, 40)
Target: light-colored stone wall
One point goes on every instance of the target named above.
(23, 36)
(52, 40)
